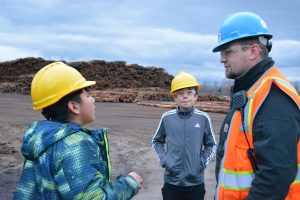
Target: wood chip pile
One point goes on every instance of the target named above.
(115, 82)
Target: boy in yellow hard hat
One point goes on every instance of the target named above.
(63, 160)
(184, 142)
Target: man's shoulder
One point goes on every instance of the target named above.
(275, 100)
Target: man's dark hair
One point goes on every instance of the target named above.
(60, 111)
(264, 52)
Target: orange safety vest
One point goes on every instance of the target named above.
(236, 173)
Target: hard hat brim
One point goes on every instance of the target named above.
(224, 42)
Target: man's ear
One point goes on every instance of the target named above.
(74, 107)
(255, 49)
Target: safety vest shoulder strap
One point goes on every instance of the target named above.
(258, 93)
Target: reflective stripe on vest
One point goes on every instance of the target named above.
(236, 174)
(297, 179)
(236, 180)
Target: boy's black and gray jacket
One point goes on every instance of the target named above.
(184, 143)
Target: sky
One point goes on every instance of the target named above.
(173, 34)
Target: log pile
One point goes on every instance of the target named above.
(16, 75)
(115, 82)
(159, 98)
(207, 106)
(131, 95)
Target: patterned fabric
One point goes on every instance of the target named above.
(66, 161)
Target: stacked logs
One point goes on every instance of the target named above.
(16, 75)
(115, 82)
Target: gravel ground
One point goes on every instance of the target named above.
(131, 127)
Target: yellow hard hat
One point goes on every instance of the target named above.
(53, 82)
(184, 80)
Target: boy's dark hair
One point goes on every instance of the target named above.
(60, 111)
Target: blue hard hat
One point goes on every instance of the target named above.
(241, 25)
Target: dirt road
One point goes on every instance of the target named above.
(131, 130)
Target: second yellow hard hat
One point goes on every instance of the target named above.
(184, 80)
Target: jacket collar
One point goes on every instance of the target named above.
(185, 114)
(248, 79)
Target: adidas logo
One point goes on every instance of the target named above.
(197, 126)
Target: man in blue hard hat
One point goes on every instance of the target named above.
(258, 155)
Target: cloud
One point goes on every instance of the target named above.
(286, 52)
(173, 35)
(292, 72)
(11, 53)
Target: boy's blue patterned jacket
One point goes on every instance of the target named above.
(66, 161)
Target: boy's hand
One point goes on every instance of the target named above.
(137, 178)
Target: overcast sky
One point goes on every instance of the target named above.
(173, 34)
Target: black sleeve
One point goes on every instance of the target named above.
(275, 135)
